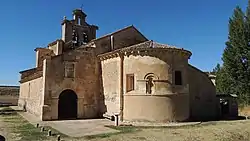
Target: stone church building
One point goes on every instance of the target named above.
(80, 76)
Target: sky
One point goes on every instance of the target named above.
(196, 25)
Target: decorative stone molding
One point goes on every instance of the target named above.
(145, 49)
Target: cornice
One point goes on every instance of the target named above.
(143, 52)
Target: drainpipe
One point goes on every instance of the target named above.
(112, 42)
(121, 87)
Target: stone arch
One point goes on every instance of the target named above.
(67, 105)
(150, 85)
(151, 75)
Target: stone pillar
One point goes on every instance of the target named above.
(46, 94)
(59, 47)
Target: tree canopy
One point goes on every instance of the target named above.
(233, 77)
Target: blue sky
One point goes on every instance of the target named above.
(196, 25)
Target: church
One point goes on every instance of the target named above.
(81, 76)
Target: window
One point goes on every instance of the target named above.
(178, 78)
(149, 84)
(69, 70)
(130, 82)
(79, 21)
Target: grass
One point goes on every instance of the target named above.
(122, 130)
(131, 129)
(244, 111)
(207, 131)
(23, 130)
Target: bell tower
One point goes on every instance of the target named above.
(78, 30)
(79, 17)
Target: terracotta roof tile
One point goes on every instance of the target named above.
(145, 45)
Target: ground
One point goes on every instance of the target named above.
(245, 111)
(15, 128)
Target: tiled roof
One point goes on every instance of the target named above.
(118, 31)
(147, 45)
(151, 44)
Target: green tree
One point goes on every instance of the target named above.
(222, 82)
(234, 75)
(216, 69)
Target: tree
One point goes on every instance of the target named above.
(221, 82)
(234, 75)
(216, 69)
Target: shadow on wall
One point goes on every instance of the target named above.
(102, 106)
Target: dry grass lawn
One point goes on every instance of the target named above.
(244, 111)
(15, 128)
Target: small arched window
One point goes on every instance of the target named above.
(149, 84)
(150, 77)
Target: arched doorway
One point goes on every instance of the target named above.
(67, 105)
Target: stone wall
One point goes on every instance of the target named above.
(31, 95)
(167, 102)
(41, 54)
(9, 95)
(124, 38)
(53, 48)
(68, 26)
(56, 47)
(137, 104)
(203, 101)
(84, 83)
(111, 85)
(156, 108)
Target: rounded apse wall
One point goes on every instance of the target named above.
(160, 108)
(164, 101)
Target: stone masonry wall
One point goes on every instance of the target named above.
(162, 66)
(167, 102)
(31, 94)
(84, 83)
(43, 53)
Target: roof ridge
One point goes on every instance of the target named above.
(119, 30)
